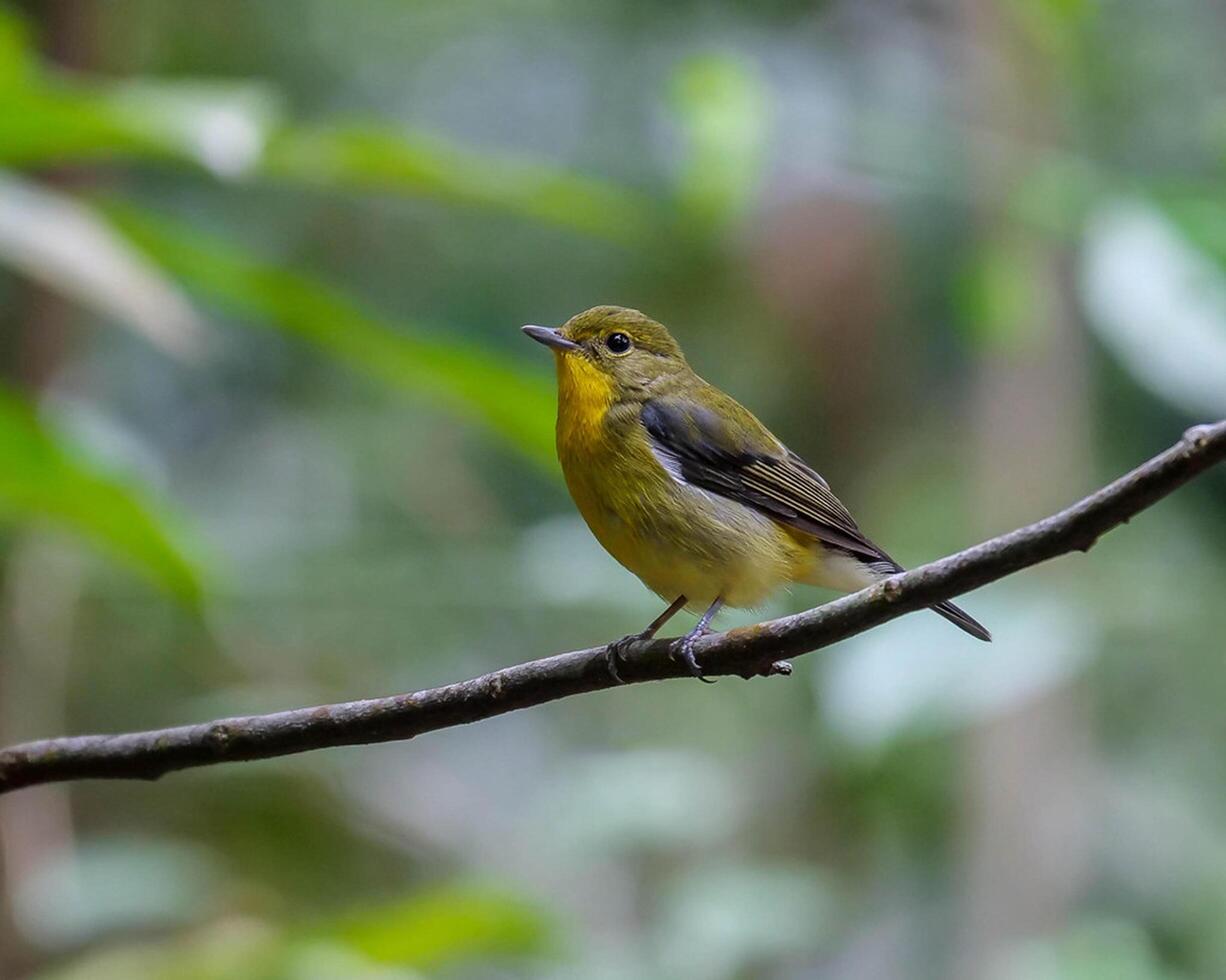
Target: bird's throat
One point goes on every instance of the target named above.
(585, 395)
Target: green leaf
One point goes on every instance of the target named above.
(16, 50)
(373, 157)
(216, 125)
(41, 478)
(457, 922)
(40, 126)
(454, 374)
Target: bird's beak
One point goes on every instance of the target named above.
(550, 338)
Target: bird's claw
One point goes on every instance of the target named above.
(615, 652)
(684, 652)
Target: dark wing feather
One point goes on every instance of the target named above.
(747, 464)
(731, 453)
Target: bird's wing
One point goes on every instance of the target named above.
(725, 450)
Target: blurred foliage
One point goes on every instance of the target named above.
(449, 374)
(49, 119)
(237, 130)
(969, 259)
(44, 479)
(724, 115)
(62, 244)
(429, 931)
(372, 158)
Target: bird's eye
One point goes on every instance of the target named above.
(618, 343)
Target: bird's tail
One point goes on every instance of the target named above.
(964, 622)
(960, 619)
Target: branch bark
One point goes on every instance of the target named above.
(745, 652)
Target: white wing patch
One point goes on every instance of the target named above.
(670, 462)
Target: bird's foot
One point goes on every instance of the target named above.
(683, 651)
(782, 668)
(615, 652)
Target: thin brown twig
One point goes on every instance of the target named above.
(745, 652)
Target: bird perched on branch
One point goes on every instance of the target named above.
(686, 488)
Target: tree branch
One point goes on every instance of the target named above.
(746, 652)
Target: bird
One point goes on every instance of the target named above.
(687, 489)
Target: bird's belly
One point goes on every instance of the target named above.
(680, 540)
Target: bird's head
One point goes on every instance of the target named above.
(621, 347)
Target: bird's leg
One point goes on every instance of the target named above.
(685, 652)
(617, 648)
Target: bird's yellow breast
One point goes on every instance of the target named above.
(680, 540)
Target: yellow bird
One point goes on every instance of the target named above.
(686, 488)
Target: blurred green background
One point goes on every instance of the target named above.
(270, 436)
